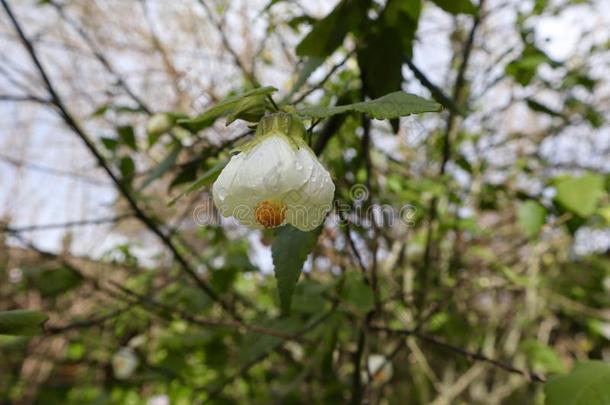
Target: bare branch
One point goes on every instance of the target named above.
(70, 224)
(21, 98)
(52, 170)
(225, 41)
(122, 187)
(533, 377)
(97, 53)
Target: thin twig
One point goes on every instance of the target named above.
(53, 171)
(69, 224)
(87, 323)
(227, 323)
(97, 53)
(325, 78)
(227, 44)
(456, 349)
(451, 127)
(22, 98)
(243, 370)
(356, 376)
(435, 91)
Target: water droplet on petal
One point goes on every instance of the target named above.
(221, 193)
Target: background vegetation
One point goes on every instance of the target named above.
(494, 287)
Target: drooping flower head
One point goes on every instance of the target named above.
(379, 368)
(276, 179)
(124, 363)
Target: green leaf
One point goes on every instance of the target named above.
(186, 174)
(224, 107)
(22, 322)
(163, 167)
(53, 281)
(110, 144)
(541, 108)
(309, 297)
(587, 384)
(249, 109)
(119, 109)
(256, 344)
(127, 167)
(580, 195)
(290, 250)
(101, 110)
(531, 216)
(523, 69)
(203, 181)
(408, 8)
(542, 357)
(393, 105)
(381, 50)
(539, 6)
(358, 294)
(328, 33)
(403, 17)
(308, 67)
(380, 62)
(456, 6)
(160, 124)
(127, 136)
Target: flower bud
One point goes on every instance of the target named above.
(159, 124)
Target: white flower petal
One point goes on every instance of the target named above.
(379, 368)
(269, 169)
(309, 204)
(222, 190)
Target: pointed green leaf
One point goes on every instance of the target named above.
(110, 144)
(587, 384)
(22, 322)
(127, 167)
(257, 344)
(393, 105)
(580, 195)
(308, 67)
(163, 167)
(542, 357)
(249, 109)
(290, 250)
(380, 61)
(203, 181)
(127, 136)
(531, 216)
(456, 6)
(51, 282)
(541, 108)
(358, 294)
(222, 108)
(328, 33)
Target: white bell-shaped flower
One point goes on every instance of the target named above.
(379, 368)
(124, 363)
(276, 179)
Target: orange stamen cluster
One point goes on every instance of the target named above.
(270, 213)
